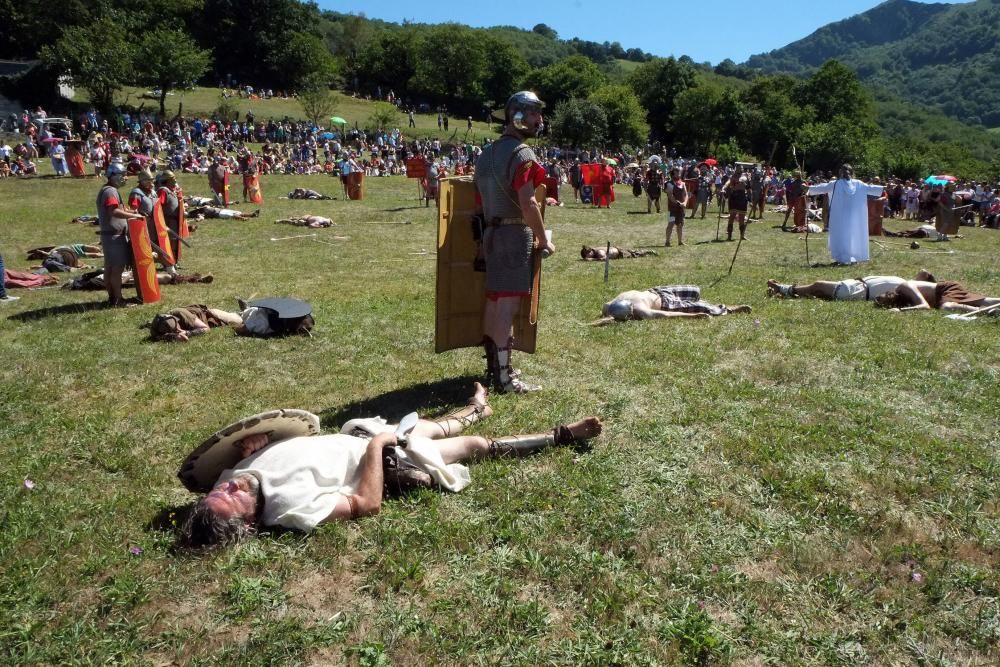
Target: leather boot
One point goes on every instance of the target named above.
(507, 380)
(492, 370)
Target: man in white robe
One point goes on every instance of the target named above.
(848, 215)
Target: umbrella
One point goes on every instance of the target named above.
(632, 165)
(947, 177)
(711, 162)
(937, 180)
(655, 159)
(328, 135)
(51, 140)
(610, 160)
(337, 120)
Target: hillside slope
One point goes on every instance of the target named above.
(944, 56)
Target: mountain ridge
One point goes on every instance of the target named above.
(946, 56)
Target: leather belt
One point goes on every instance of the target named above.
(500, 222)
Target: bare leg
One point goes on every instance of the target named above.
(113, 283)
(454, 422)
(471, 447)
(463, 448)
(498, 318)
(821, 289)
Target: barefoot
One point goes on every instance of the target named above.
(586, 428)
(479, 398)
(740, 309)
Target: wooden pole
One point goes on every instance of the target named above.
(607, 262)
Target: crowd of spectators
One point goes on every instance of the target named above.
(287, 146)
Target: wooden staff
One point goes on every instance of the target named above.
(607, 262)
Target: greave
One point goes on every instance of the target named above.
(516, 446)
(507, 380)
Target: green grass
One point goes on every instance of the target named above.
(815, 483)
(355, 111)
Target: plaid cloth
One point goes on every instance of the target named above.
(686, 299)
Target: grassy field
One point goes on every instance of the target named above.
(812, 484)
(355, 111)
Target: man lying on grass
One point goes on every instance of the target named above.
(207, 212)
(277, 470)
(660, 302)
(922, 293)
(313, 221)
(600, 254)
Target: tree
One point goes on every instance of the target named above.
(576, 76)
(253, 40)
(317, 100)
(305, 61)
(168, 60)
(625, 115)
(450, 63)
(545, 31)
(96, 57)
(772, 117)
(386, 60)
(834, 90)
(383, 117)
(579, 122)
(657, 83)
(505, 68)
(696, 125)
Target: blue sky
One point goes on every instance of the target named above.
(705, 31)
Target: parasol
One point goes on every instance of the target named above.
(940, 180)
(337, 120)
(711, 162)
(610, 160)
(51, 140)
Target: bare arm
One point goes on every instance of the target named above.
(643, 312)
(911, 292)
(532, 214)
(367, 500)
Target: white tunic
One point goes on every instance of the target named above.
(848, 217)
(303, 479)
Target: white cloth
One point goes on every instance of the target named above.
(421, 452)
(257, 321)
(869, 287)
(848, 217)
(303, 479)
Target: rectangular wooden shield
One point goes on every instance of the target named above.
(143, 266)
(461, 290)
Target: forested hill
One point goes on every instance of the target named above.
(945, 56)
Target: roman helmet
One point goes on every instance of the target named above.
(517, 104)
